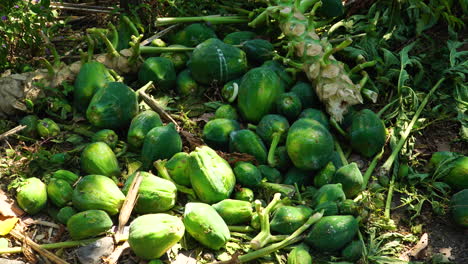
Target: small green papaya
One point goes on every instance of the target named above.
(160, 143)
(97, 192)
(30, 121)
(247, 174)
(246, 141)
(155, 194)
(65, 213)
(47, 128)
(216, 132)
(329, 208)
(179, 59)
(289, 105)
(238, 37)
(332, 233)
(367, 133)
(230, 90)
(271, 174)
(316, 115)
(325, 175)
(112, 106)
(459, 208)
(192, 35)
(244, 194)
(160, 71)
(309, 144)
(141, 124)
(107, 136)
(306, 94)
(438, 157)
(258, 50)
(234, 212)
(211, 176)
(350, 178)
(286, 79)
(287, 219)
(66, 175)
(151, 235)
(329, 193)
(300, 255)
(59, 192)
(226, 111)
(185, 84)
(32, 195)
(204, 224)
(457, 177)
(89, 223)
(353, 251)
(298, 176)
(348, 207)
(98, 158)
(178, 168)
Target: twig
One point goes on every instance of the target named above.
(43, 252)
(84, 9)
(114, 257)
(155, 106)
(82, 5)
(128, 205)
(158, 35)
(12, 131)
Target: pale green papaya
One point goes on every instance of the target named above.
(32, 195)
(98, 158)
(89, 223)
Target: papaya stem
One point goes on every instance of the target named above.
(114, 35)
(293, 238)
(330, 51)
(340, 152)
(338, 127)
(162, 171)
(362, 66)
(371, 168)
(65, 244)
(130, 24)
(91, 45)
(251, 127)
(123, 150)
(213, 19)
(242, 229)
(135, 46)
(316, 6)
(110, 49)
(265, 237)
(271, 152)
(50, 68)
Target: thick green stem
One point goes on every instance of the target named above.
(236, 9)
(66, 244)
(251, 127)
(274, 143)
(328, 52)
(338, 127)
(130, 24)
(371, 168)
(362, 66)
(304, 5)
(389, 162)
(114, 35)
(50, 68)
(265, 237)
(110, 48)
(387, 106)
(123, 149)
(242, 229)
(160, 167)
(215, 19)
(91, 45)
(340, 152)
(293, 238)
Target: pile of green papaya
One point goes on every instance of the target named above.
(267, 115)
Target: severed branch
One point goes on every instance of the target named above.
(155, 106)
(12, 131)
(128, 205)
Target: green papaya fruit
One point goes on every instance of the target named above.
(329, 208)
(178, 168)
(66, 175)
(272, 129)
(271, 174)
(65, 213)
(247, 174)
(47, 128)
(244, 194)
(309, 144)
(457, 177)
(216, 132)
(155, 194)
(59, 192)
(230, 90)
(438, 157)
(329, 193)
(350, 178)
(246, 141)
(258, 91)
(332, 233)
(234, 212)
(98, 158)
(151, 235)
(160, 143)
(214, 61)
(107, 136)
(298, 176)
(32, 195)
(258, 50)
(237, 38)
(316, 115)
(286, 79)
(353, 251)
(185, 84)
(289, 105)
(204, 224)
(348, 207)
(459, 208)
(325, 175)
(192, 35)
(300, 255)
(282, 161)
(179, 59)
(306, 94)
(112, 106)
(160, 71)
(91, 77)
(367, 133)
(211, 176)
(141, 124)
(89, 223)
(226, 111)
(97, 192)
(287, 219)
(30, 121)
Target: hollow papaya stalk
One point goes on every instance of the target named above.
(332, 83)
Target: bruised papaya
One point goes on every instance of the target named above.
(98, 158)
(204, 224)
(160, 143)
(155, 194)
(151, 235)
(32, 195)
(97, 192)
(141, 124)
(234, 212)
(211, 176)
